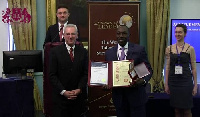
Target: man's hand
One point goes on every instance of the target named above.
(137, 82)
(107, 87)
(77, 91)
(69, 95)
(72, 95)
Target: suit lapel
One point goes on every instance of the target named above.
(77, 53)
(57, 28)
(115, 56)
(57, 32)
(65, 53)
(130, 51)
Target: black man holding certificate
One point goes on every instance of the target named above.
(129, 101)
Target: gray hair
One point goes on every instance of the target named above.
(71, 25)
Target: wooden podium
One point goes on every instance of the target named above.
(47, 88)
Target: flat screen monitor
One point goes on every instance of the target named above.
(22, 61)
(193, 33)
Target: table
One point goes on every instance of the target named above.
(158, 105)
(16, 97)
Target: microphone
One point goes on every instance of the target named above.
(54, 38)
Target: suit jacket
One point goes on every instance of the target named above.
(67, 75)
(52, 34)
(136, 95)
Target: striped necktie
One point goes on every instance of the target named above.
(71, 54)
(61, 32)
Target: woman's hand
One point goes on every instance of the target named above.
(194, 91)
(167, 89)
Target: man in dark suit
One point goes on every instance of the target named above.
(55, 32)
(68, 75)
(129, 101)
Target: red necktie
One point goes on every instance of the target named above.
(71, 54)
(61, 32)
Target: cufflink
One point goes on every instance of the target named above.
(144, 82)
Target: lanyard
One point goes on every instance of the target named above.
(179, 54)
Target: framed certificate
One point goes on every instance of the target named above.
(99, 73)
(114, 74)
(120, 73)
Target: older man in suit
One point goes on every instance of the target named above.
(129, 101)
(68, 75)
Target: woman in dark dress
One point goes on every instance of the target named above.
(181, 76)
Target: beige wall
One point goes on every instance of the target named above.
(3, 34)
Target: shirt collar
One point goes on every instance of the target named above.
(125, 47)
(68, 47)
(59, 25)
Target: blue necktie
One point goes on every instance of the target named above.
(122, 57)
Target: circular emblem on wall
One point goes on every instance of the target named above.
(126, 20)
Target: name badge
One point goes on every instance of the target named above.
(178, 69)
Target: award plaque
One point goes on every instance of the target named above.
(139, 70)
